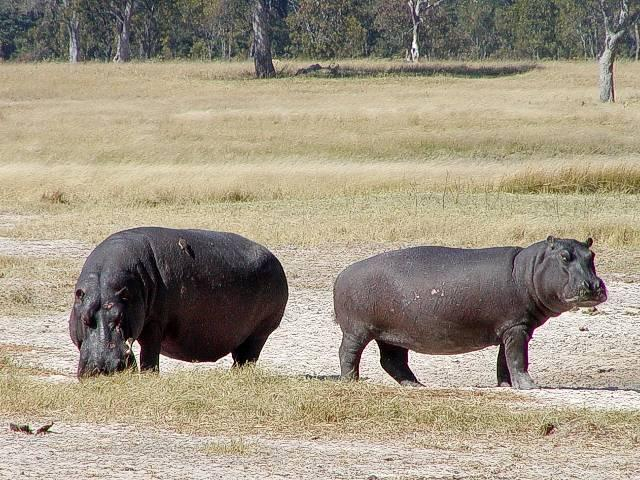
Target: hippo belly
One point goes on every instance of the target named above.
(217, 325)
(435, 319)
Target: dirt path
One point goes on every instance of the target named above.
(579, 359)
(127, 452)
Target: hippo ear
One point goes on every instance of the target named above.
(551, 240)
(589, 242)
(123, 294)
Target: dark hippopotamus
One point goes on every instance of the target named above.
(193, 295)
(444, 301)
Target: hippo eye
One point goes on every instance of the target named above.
(565, 257)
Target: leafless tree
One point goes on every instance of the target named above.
(417, 9)
(616, 23)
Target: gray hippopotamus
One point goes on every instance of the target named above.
(193, 295)
(445, 301)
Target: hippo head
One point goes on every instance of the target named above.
(106, 327)
(566, 276)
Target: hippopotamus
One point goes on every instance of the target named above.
(445, 301)
(192, 295)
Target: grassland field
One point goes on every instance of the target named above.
(325, 170)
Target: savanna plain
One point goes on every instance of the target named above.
(324, 171)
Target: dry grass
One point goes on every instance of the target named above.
(252, 401)
(388, 159)
(230, 447)
(33, 285)
(206, 113)
(586, 179)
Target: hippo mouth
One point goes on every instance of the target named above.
(588, 298)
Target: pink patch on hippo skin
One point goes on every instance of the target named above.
(108, 306)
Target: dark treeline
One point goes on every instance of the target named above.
(221, 29)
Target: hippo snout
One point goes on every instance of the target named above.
(591, 293)
(101, 368)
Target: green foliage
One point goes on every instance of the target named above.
(328, 29)
(210, 29)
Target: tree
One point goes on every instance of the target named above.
(637, 38)
(417, 8)
(147, 24)
(615, 27)
(72, 22)
(329, 29)
(262, 40)
(122, 11)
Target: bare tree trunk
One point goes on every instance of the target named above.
(637, 37)
(73, 29)
(414, 53)
(417, 8)
(614, 30)
(607, 90)
(123, 52)
(262, 40)
(414, 9)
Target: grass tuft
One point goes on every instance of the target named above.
(234, 447)
(588, 180)
(55, 197)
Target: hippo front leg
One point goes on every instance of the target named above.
(150, 345)
(516, 352)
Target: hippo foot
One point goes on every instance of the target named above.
(504, 383)
(410, 383)
(523, 383)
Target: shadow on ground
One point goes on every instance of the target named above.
(409, 69)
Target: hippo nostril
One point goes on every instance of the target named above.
(597, 285)
(585, 285)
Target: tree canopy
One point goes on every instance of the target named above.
(324, 29)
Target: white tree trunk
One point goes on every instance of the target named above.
(414, 53)
(123, 52)
(607, 90)
(414, 10)
(73, 29)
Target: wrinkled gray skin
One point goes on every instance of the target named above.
(193, 295)
(447, 301)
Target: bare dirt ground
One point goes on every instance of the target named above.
(581, 359)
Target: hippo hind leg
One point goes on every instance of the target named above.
(350, 352)
(249, 350)
(395, 361)
(504, 378)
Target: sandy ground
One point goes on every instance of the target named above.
(581, 359)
